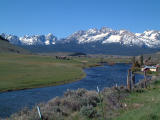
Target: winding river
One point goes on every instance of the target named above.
(103, 76)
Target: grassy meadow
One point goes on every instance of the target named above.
(29, 71)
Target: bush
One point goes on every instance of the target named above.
(88, 111)
(135, 69)
(81, 97)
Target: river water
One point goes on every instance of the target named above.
(103, 76)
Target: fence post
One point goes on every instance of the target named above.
(129, 81)
(39, 112)
(132, 79)
(145, 79)
(116, 85)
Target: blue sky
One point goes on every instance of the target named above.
(63, 17)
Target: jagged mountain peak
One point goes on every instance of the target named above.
(95, 35)
(105, 29)
(150, 38)
(92, 31)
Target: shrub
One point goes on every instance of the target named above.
(75, 93)
(135, 69)
(88, 111)
(81, 97)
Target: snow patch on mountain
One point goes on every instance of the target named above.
(113, 39)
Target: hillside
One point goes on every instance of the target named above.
(6, 47)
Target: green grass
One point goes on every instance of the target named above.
(142, 106)
(29, 71)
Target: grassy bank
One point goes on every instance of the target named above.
(142, 106)
(29, 71)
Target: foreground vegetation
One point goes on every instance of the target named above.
(142, 106)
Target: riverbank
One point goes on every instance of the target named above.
(19, 72)
(142, 105)
(30, 71)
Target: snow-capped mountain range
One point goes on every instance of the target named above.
(105, 35)
(149, 38)
(49, 39)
